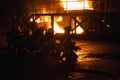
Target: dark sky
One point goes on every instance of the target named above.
(8, 5)
(11, 6)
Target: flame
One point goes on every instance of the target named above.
(77, 5)
(79, 30)
(57, 28)
(67, 5)
(38, 20)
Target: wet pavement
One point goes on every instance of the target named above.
(99, 55)
(94, 55)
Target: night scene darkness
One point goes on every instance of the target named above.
(60, 39)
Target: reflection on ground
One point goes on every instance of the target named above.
(98, 55)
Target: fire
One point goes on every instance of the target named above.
(76, 5)
(79, 30)
(57, 27)
(44, 21)
(58, 22)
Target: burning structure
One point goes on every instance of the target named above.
(57, 15)
(81, 15)
(60, 14)
(89, 16)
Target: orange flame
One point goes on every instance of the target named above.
(77, 5)
(57, 27)
(79, 30)
(67, 5)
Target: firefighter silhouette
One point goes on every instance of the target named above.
(12, 40)
(69, 47)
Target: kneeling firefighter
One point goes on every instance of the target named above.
(69, 48)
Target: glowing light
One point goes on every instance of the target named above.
(108, 25)
(57, 41)
(38, 20)
(60, 18)
(79, 30)
(45, 21)
(57, 29)
(77, 5)
(31, 19)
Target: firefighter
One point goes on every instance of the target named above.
(69, 47)
(12, 40)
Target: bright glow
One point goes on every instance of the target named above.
(31, 19)
(46, 19)
(77, 5)
(60, 18)
(67, 5)
(38, 20)
(57, 29)
(108, 25)
(79, 30)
